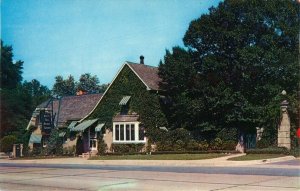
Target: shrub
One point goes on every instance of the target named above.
(228, 134)
(192, 145)
(216, 144)
(229, 145)
(127, 148)
(7, 143)
(164, 146)
(203, 145)
(102, 146)
(179, 145)
(263, 143)
(269, 150)
(295, 152)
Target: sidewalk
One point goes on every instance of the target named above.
(221, 162)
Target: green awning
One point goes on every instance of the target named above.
(85, 124)
(99, 127)
(62, 134)
(124, 100)
(72, 124)
(34, 138)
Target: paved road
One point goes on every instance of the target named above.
(252, 170)
(95, 177)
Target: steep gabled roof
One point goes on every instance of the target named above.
(147, 74)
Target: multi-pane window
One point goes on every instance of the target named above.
(128, 132)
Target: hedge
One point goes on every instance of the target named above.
(269, 150)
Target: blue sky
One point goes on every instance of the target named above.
(72, 37)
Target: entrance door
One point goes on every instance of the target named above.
(93, 144)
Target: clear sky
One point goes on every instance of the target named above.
(72, 37)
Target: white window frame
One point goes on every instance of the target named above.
(136, 133)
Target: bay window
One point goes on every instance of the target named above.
(128, 132)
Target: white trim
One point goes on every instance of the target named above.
(126, 63)
(136, 133)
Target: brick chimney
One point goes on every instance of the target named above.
(141, 59)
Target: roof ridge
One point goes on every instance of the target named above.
(128, 62)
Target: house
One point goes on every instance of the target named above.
(129, 111)
(60, 113)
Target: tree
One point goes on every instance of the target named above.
(11, 72)
(64, 87)
(38, 92)
(69, 86)
(18, 99)
(88, 83)
(241, 55)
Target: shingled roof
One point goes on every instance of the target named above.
(71, 108)
(76, 107)
(148, 74)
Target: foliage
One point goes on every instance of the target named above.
(269, 150)
(228, 134)
(86, 83)
(18, 99)
(143, 102)
(38, 92)
(11, 72)
(203, 145)
(229, 145)
(63, 87)
(54, 144)
(102, 147)
(7, 143)
(216, 144)
(127, 148)
(263, 143)
(236, 61)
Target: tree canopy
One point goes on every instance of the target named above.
(236, 61)
(18, 99)
(86, 83)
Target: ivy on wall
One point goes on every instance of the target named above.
(144, 102)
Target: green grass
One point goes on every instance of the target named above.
(159, 157)
(256, 157)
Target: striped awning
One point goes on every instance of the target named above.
(62, 134)
(34, 138)
(85, 124)
(72, 124)
(99, 127)
(124, 100)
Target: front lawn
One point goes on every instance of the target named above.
(159, 157)
(256, 157)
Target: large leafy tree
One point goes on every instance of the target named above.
(64, 87)
(88, 83)
(11, 72)
(38, 92)
(18, 99)
(241, 55)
